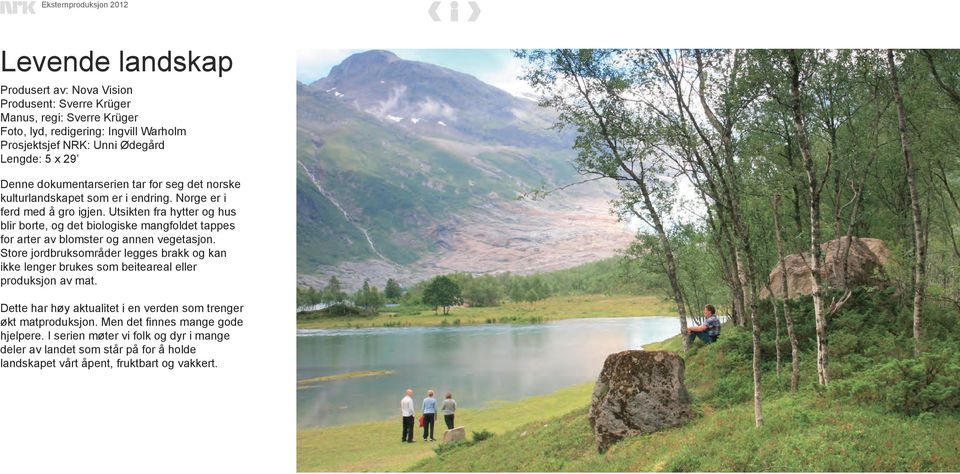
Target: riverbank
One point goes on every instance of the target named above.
(550, 309)
(376, 446)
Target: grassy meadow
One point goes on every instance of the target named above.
(376, 446)
(801, 433)
(553, 308)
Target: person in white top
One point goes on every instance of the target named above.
(406, 411)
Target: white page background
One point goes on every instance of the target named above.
(241, 417)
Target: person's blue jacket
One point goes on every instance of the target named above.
(429, 405)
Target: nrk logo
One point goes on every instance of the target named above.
(17, 8)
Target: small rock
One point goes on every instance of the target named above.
(456, 434)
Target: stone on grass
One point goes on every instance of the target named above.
(456, 434)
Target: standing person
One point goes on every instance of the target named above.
(709, 331)
(406, 411)
(449, 407)
(429, 415)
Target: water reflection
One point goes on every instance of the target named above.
(477, 363)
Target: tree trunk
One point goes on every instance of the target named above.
(727, 174)
(757, 387)
(743, 281)
(725, 265)
(611, 142)
(813, 187)
(794, 346)
(738, 294)
(919, 241)
(670, 260)
(776, 322)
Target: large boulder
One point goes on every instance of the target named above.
(864, 267)
(638, 392)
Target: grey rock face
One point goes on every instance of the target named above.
(638, 392)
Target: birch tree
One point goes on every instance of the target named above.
(919, 239)
(590, 89)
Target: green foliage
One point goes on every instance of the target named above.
(481, 435)
(446, 448)
(335, 310)
(858, 424)
(611, 276)
(482, 291)
(698, 266)
(528, 290)
(392, 291)
(442, 292)
(929, 382)
(368, 299)
(306, 297)
(801, 434)
(333, 293)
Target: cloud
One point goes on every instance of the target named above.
(391, 103)
(506, 77)
(433, 108)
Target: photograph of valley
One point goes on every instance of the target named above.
(720, 260)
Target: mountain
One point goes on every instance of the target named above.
(425, 98)
(407, 169)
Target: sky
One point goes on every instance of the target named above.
(497, 67)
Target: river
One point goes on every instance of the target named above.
(478, 364)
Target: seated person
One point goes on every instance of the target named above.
(709, 331)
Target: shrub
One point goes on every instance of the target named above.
(929, 382)
(445, 448)
(341, 309)
(731, 389)
(481, 435)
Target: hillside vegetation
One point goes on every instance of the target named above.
(553, 308)
(885, 410)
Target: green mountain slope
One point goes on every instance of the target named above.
(389, 187)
